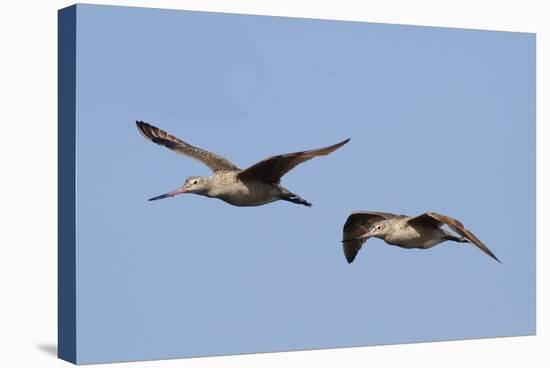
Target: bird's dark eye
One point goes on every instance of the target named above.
(194, 182)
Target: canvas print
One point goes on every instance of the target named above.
(234, 184)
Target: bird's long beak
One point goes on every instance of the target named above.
(362, 237)
(365, 236)
(170, 194)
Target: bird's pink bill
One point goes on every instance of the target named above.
(170, 194)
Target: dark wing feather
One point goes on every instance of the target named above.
(159, 136)
(357, 224)
(455, 225)
(425, 219)
(272, 169)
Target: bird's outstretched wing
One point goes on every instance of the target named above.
(159, 136)
(272, 169)
(436, 220)
(357, 224)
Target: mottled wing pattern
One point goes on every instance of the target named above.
(455, 225)
(272, 169)
(159, 136)
(357, 224)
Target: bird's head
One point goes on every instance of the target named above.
(193, 184)
(196, 184)
(378, 230)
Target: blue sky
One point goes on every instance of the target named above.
(440, 120)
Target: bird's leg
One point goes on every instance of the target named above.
(297, 199)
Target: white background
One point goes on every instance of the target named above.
(28, 181)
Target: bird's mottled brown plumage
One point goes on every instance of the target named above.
(436, 220)
(423, 231)
(257, 185)
(159, 136)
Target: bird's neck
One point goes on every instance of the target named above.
(206, 187)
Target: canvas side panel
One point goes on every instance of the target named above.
(66, 276)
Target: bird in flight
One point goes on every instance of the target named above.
(423, 231)
(257, 185)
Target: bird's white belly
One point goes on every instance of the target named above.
(403, 241)
(240, 194)
(409, 237)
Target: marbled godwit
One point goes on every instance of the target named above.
(423, 231)
(257, 185)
